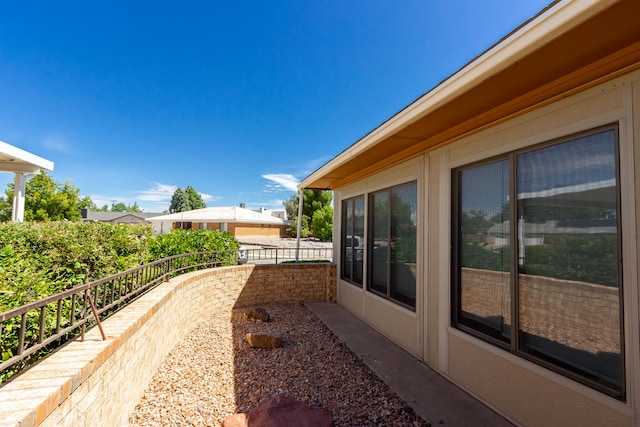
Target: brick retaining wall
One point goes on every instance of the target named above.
(99, 382)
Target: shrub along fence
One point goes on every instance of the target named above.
(29, 332)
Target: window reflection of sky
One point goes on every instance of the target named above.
(579, 162)
(585, 163)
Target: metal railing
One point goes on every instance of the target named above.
(28, 331)
(32, 330)
(276, 255)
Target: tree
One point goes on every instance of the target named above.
(47, 200)
(134, 208)
(312, 201)
(179, 201)
(186, 199)
(291, 206)
(195, 199)
(322, 223)
(121, 207)
(304, 230)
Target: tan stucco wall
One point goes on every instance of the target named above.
(524, 395)
(522, 390)
(257, 230)
(242, 229)
(515, 387)
(391, 320)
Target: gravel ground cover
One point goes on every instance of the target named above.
(214, 373)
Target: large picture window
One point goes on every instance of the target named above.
(537, 256)
(352, 255)
(392, 243)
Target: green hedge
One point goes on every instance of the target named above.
(180, 241)
(38, 259)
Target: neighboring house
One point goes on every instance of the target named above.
(22, 164)
(118, 217)
(278, 214)
(238, 221)
(532, 143)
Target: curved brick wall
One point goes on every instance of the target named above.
(99, 382)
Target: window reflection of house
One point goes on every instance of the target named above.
(534, 234)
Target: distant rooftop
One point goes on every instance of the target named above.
(222, 214)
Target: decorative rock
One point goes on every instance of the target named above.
(264, 340)
(235, 420)
(281, 411)
(257, 314)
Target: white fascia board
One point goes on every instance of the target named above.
(21, 157)
(548, 25)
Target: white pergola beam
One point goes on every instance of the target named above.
(10, 155)
(22, 164)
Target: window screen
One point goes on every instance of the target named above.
(537, 256)
(392, 243)
(352, 254)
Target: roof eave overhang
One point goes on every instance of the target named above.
(566, 48)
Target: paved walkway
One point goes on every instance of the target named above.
(433, 397)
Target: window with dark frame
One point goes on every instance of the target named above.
(352, 255)
(392, 234)
(537, 256)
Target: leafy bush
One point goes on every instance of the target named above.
(479, 256)
(180, 241)
(591, 259)
(38, 259)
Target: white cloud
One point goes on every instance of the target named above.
(56, 142)
(155, 199)
(158, 193)
(281, 181)
(208, 197)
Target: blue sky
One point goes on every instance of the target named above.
(240, 100)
